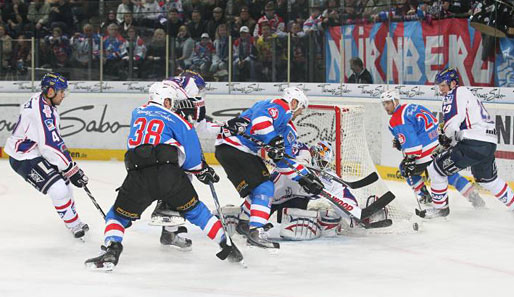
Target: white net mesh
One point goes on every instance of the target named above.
(319, 123)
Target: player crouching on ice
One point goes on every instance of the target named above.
(37, 151)
(162, 148)
(414, 129)
(470, 141)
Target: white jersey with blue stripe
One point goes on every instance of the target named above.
(37, 134)
(188, 84)
(465, 117)
(154, 124)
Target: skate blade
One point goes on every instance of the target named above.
(107, 267)
(177, 248)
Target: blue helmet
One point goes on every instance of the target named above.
(447, 75)
(196, 77)
(55, 81)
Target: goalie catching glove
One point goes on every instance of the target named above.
(311, 184)
(75, 175)
(206, 175)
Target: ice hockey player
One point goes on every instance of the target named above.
(266, 121)
(37, 151)
(414, 129)
(470, 139)
(162, 147)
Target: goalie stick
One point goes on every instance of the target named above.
(366, 181)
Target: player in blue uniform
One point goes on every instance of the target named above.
(414, 129)
(266, 121)
(162, 148)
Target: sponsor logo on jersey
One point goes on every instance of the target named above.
(47, 111)
(273, 112)
(63, 148)
(50, 124)
(290, 137)
(35, 176)
(401, 138)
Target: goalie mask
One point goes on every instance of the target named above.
(322, 155)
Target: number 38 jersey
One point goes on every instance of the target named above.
(415, 127)
(37, 134)
(154, 124)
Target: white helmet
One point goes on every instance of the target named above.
(160, 91)
(322, 154)
(390, 95)
(295, 93)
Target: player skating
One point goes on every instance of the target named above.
(37, 151)
(162, 147)
(470, 141)
(414, 130)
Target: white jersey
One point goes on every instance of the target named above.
(465, 117)
(37, 134)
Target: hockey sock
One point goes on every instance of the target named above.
(461, 184)
(245, 209)
(416, 183)
(260, 210)
(439, 187)
(201, 216)
(62, 200)
(499, 188)
(114, 227)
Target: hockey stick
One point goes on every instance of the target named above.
(419, 211)
(366, 181)
(94, 201)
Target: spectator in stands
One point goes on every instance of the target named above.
(14, 14)
(128, 21)
(192, 5)
(21, 54)
(217, 19)
(256, 8)
(38, 15)
(460, 8)
(176, 5)
(299, 11)
(136, 49)
(353, 11)
(202, 55)
(111, 19)
(60, 50)
(114, 50)
(373, 8)
(275, 22)
(244, 19)
(298, 53)
(442, 9)
(184, 48)
(267, 46)
(86, 47)
(172, 23)
(360, 74)
(219, 67)
(147, 12)
(314, 22)
(197, 26)
(281, 10)
(331, 15)
(7, 48)
(61, 15)
(123, 9)
(244, 56)
(154, 65)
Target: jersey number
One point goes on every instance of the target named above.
(151, 132)
(428, 119)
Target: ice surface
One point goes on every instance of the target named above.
(467, 254)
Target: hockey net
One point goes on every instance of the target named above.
(343, 127)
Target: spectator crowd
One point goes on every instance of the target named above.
(130, 35)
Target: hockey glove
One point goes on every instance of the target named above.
(237, 126)
(276, 148)
(408, 166)
(311, 184)
(444, 140)
(396, 144)
(206, 175)
(74, 174)
(192, 109)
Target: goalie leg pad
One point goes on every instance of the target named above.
(231, 217)
(329, 222)
(300, 224)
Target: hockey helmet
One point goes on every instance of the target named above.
(160, 91)
(196, 77)
(447, 75)
(295, 93)
(322, 154)
(390, 95)
(55, 81)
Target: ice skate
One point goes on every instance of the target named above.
(108, 259)
(424, 196)
(436, 212)
(79, 230)
(243, 227)
(475, 199)
(173, 239)
(259, 237)
(164, 216)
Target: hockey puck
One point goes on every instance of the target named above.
(415, 226)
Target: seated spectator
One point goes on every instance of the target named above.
(61, 16)
(86, 47)
(244, 19)
(128, 21)
(360, 74)
(256, 8)
(14, 14)
(172, 23)
(442, 9)
(115, 48)
(331, 15)
(267, 46)
(123, 9)
(219, 66)
(275, 22)
(244, 56)
(111, 19)
(184, 48)
(216, 20)
(314, 22)
(60, 50)
(176, 5)
(136, 49)
(38, 14)
(7, 48)
(147, 12)
(202, 55)
(197, 26)
(281, 10)
(353, 11)
(154, 66)
(298, 53)
(22, 56)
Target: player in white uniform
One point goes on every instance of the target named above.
(470, 138)
(37, 151)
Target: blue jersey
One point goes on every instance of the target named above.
(154, 124)
(415, 127)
